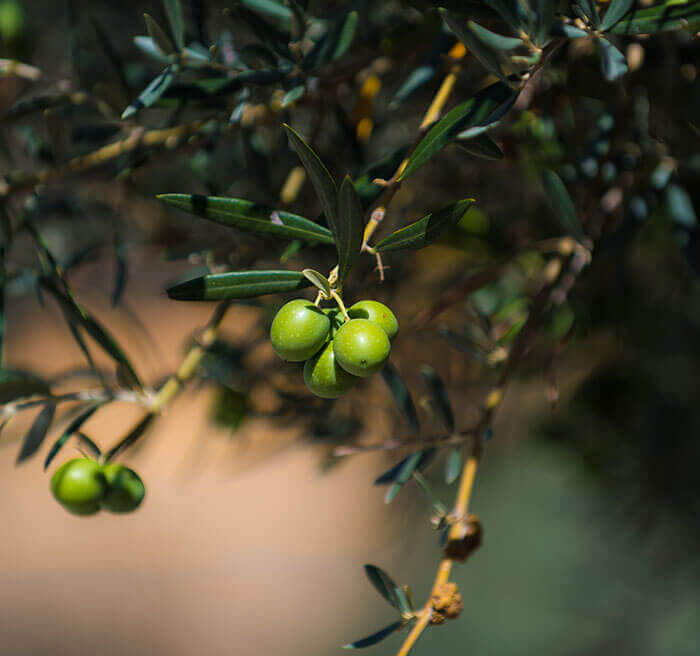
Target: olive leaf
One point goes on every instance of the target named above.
(318, 280)
(401, 395)
(561, 203)
(659, 18)
(438, 391)
(616, 10)
(333, 44)
(249, 217)
(158, 36)
(348, 235)
(237, 285)
(173, 10)
(152, 92)
(481, 146)
(73, 427)
(33, 439)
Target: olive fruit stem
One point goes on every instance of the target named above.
(341, 305)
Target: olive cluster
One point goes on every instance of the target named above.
(84, 487)
(338, 350)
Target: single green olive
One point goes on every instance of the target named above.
(377, 313)
(125, 489)
(79, 485)
(299, 330)
(361, 347)
(324, 377)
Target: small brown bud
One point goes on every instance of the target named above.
(446, 603)
(461, 548)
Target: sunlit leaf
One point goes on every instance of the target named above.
(483, 109)
(425, 231)
(374, 638)
(152, 92)
(237, 285)
(249, 217)
(34, 438)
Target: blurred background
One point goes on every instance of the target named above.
(253, 533)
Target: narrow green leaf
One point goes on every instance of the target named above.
(374, 638)
(483, 109)
(510, 11)
(274, 9)
(149, 48)
(249, 217)
(545, 18)
(20, 384)
(660, 18)
(616, 10)
(72, 428)
(492, 39)
(401, 395)
(77, 314)
(348, 232)
(612, 62)
(333, 44)
(152, 92)
(490, 59)
(383, 584)
(173, 10)
(569, 31)
(453, 466)
(270, 35)
(438, 391)
(680, 206)
(293, 95)
(391, 474)
(481, 146)
(37, 432)
(134, 434)
(416, 79)
(404, 474)
(318, 280)
(158, 36)
(425, 231)
(590, 8)
(561, 203)
(322, 180)
(237, 284)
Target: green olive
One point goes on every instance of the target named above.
(377, 313)
(79, 485)
(324, 377)
(361, 347)
(125, 489)
(299, 330)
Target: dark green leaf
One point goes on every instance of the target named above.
(481, 146)
(391, 474)
(545, 18)
(73, 427)
(510, 11)
(37, 432)
(134, 434)
(19, 384)
(659, 18)
(591, 10)
(348, 232)
(453, 465)
(273, 9)
(425, 231)
(77, 314)
(483, 109)
(374, 638)
(120, 274)
(333, 44)
(249, 217)
(569, 31)
(439, 393)
(237, 284)
(383, 584)
(492, 39)
(490, 59)
(158, 36)
(612, 61)
(293, 95)
(318, 280)
(322, 180)
(411, 464)
(561, 203)
(173, 9)
(271, 36)
(152, 92)
(616, 10)
(402, 396)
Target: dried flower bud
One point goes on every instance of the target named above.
(446, 603)
(461, 548)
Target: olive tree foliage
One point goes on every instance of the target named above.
(334, 109)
